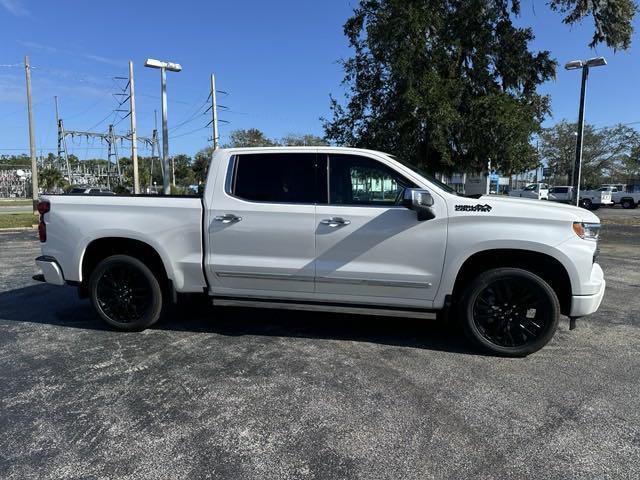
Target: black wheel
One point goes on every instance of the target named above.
(125, 293)
(586, 203)
(627, 203)
(509, 311)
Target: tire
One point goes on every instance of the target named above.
(498, 315)
(125, 293)
(627, 203)
(586, 203)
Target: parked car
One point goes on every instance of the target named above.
(589, 199)
(90, 191)
(286, 228)
(539, 191)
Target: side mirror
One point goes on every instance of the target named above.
(421, 201)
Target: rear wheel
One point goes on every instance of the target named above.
(125, 293)
(627, 203)
(509, 311)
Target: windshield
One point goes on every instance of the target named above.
(424, 174)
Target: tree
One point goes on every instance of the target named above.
(450, 85)
(201, 165)
(251, 137)
(51, 178)
(183, 171)
(607, 153)
(300, 140)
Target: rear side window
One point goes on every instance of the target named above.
(357, 180)
(275, 177)
(560, 190)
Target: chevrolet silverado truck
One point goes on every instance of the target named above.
(335, 230)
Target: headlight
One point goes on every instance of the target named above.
(588, 231)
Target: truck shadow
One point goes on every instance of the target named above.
(45, 304)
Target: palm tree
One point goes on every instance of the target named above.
(50, 178)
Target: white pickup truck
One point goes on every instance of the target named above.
(627, 199)
(336, 230)
(589, 199)
(538, 191)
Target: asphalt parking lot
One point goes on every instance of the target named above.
(272, 395)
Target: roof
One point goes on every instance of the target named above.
(315, 148)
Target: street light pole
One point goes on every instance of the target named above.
(165, 133)
(172, 67)
(577, 167)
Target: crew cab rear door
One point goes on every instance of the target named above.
(261, 225)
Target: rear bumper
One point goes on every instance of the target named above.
(51, 270)
(582, 305)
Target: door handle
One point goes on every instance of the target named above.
(334, 222)
(227, 218)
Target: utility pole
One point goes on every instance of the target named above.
(134, 140)
(214, 112)
(32, 138)
(62, 142)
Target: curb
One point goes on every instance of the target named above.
(18, 229)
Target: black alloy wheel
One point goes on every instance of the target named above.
(126, 293)
(510, 311)
(627, 203)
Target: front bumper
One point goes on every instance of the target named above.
(582, 305)
(51, 270)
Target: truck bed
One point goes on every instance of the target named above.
(171, 225)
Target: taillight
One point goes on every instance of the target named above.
(44, 206)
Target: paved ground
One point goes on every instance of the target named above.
(246, 394)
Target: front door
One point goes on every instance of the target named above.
(369, 248)
(261, 226)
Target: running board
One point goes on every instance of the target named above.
(326, 307)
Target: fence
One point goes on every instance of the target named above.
(15, 183)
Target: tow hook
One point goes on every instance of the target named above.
(572, 323)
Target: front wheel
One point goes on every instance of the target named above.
(586, 203)
(509, 311)
(125, 293)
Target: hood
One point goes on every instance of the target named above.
(543, 208)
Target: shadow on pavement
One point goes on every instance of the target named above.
(60, 306)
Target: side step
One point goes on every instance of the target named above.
(325, 307)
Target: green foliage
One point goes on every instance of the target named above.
(441, 85)
(201, 165)
(50, 178)
(608, 153)
(613, 19)
(249, 138)
(17, 220)
(298, 140)
(450, 85)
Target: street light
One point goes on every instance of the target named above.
(172, 67)
(577, 167)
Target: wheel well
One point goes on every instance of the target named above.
(545, 266)
(102, 248)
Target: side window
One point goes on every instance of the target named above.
(275, 177)
(357, 180)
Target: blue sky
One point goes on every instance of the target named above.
(277, 60)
